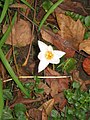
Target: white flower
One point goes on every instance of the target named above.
(48, 55)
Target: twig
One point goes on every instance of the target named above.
(41, 77)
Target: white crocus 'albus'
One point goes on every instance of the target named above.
(48, 55)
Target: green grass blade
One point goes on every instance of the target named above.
(26, 3)
(1, 99)
(6, 34)
(49, 12)
(12, 74)
(5, 8)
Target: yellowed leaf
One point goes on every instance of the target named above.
(20, 35)
(48, 106)
(70, 30)
(45, 87)
(85, 46)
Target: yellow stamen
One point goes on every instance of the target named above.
(49, 55)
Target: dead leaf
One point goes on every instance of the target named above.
(76, 7)
(62, 83)
(77, 78)
(85, 46)
(21, 34)
(45, 87)
(70, 30)
(60, 99)
(35, 114)
(44, 115)
(86, 65)
(19, 5)
(54, 88)
(48, 106)
(57, 41)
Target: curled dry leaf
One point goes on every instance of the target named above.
(20, 35)
(86, 65)
(85, 46)
(47, 106)
(70, 30)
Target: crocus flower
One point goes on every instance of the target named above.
(48, 55)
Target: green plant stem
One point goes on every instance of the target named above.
(49, 12)
(5, 8)
(6, 34)
(26, 3)
(10, 71)
(1, 99)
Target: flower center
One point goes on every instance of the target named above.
(49, 55)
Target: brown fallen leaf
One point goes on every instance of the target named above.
(47, 106)
(35, 114)
(45, 87)
(54, 88)
(60, 99)
(86, 65)
(76, 7)
(44, 115)
(19, 5)
(77, 78)
(57, 41)
(70, 30)
(85, 46)
(21, 34)
(62, 83)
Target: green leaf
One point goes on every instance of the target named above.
(55, 114)
(46, 5)
(52, 8)
(21, 116)
(76, 84)
(87, 21)
(7, 95)
(87, 35)
(19, 108)
(26, 3)
(5, 8)
(37, 90)
(69, 65)
(7, 114)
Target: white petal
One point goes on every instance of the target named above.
(58, 53)
(41, 56)
(42, 46)
(42, 65)
(50, 48)
(54, 60)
